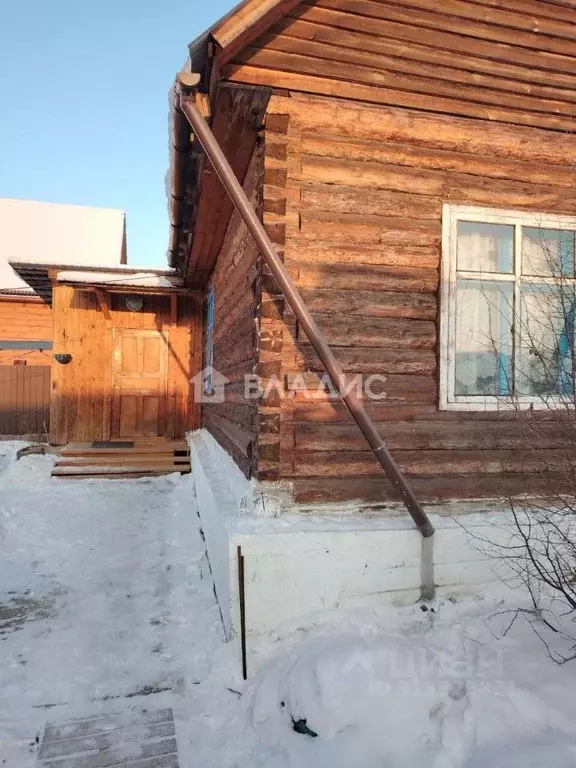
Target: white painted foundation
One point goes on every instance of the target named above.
(298, 562)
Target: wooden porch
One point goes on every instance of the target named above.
(118, 459)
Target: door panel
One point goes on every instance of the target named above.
(151, 356)
(139, 380)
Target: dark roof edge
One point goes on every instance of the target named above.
(198, 48)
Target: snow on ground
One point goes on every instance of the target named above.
(105, 596)
(106, 603)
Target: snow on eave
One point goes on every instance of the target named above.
(135, 280)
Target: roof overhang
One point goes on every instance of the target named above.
(201, 209)
(197, 203)
(121, 278)
(234, 31)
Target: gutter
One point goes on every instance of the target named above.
(234, 189)
(181, 145)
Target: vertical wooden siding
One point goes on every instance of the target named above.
(236, 282)
(24, 400)
(353, 199)
(81, 390)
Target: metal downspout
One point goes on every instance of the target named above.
(284, 281)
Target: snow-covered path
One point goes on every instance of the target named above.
(106, 599)
(107, 606)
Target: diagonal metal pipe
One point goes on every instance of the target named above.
(285, 283)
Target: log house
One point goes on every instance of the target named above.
(360, 128)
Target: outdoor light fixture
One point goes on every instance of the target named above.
(134, 303)
(63, 358)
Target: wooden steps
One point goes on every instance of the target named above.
(117, 459)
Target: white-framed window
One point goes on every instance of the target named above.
(209, 343)
(507, 309)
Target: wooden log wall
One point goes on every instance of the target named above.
(80, 409)
(353, 198)
(513, 61)
(237, 286)
(25, 320)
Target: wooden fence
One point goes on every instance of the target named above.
(24, 400)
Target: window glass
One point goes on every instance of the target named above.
(508, 309)
(547, 252)
(484, 312)
(546, 336)
(485, 247)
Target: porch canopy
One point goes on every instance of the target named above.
(118, 278)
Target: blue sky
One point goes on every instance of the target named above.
(84, 104)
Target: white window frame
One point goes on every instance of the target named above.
(451, 215)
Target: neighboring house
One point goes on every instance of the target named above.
(122, 336)
(25, 321)
(25, 328)
(25, 358)
(401, 156)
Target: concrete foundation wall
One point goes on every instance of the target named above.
(298, 564)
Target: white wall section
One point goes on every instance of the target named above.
(301, 563)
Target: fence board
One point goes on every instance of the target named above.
(24, 400)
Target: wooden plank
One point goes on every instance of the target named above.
(351, 199)
(433, 462)
(136, 459)
(558, 52)
(369, 278)
(428, 435)
(371, 303)
(361, 255)
(104, 303)
(433, 159)
(556, 11)
(92, 726)
(124, 476)
(378, 490)
(520, 17)
(241, 437)
(149, 445)
(247, 22)
(343, 64)
(336, 412)
(384, 230)
(309, 82)
(112, 744)
(113, 470)
(365, 360)
(375, 332)
(454, 43)
(449, 186)
(358, 121)
(426, 59)
(24, 398)
(5, 405)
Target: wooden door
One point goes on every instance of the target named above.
(139, 383)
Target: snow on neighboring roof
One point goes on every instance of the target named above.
(21, 290)
(148, 279)
(51, 233)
